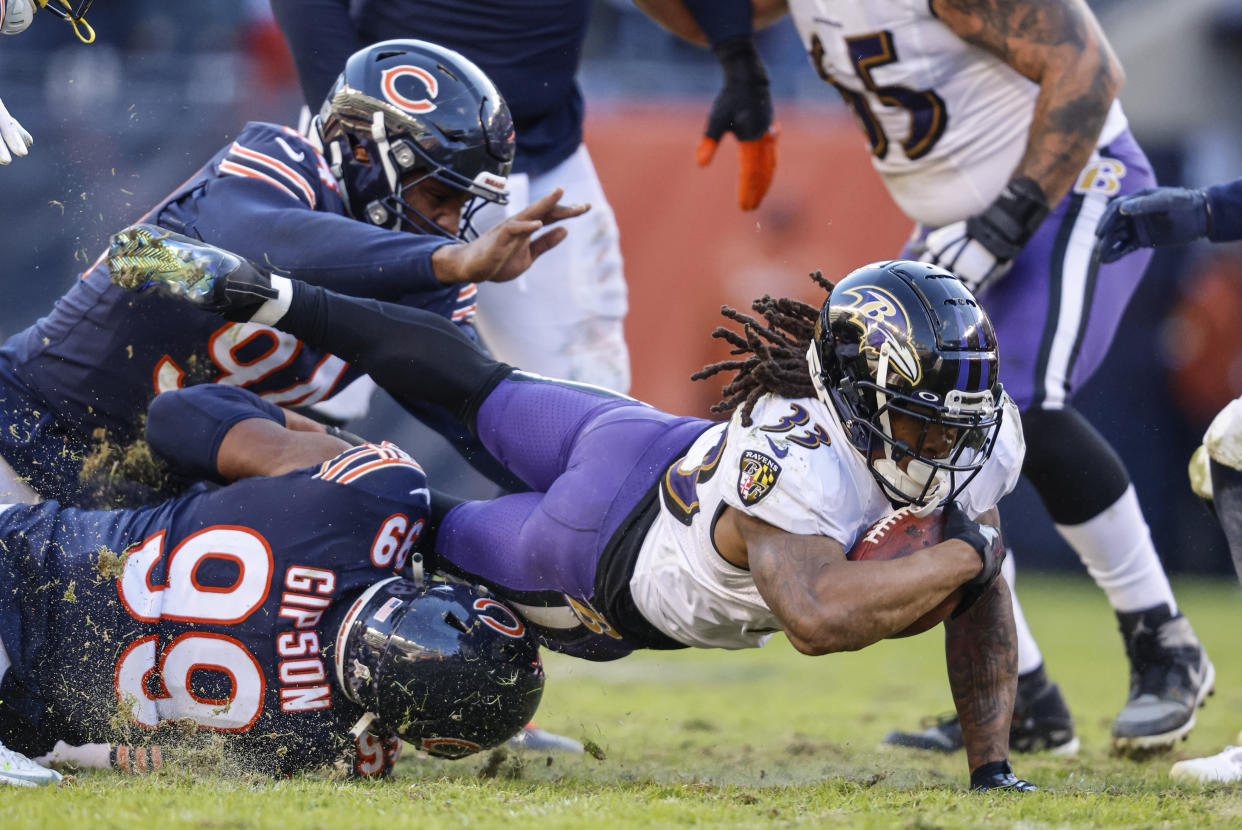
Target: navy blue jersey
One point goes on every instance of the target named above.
(102, 353)
(1225, 201)
(218, 607)
(529, 48)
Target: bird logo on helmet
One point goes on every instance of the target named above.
(405, 111)
(441, 666)
(907, 337)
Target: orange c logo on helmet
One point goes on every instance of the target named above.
(388, 82)
(513, 629)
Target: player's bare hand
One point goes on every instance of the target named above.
(507, 249)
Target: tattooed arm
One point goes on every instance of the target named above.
(1058, 44)
(826, 603)
(981, 652)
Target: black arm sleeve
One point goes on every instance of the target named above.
(720, 19)
(414, 355)
(321, 38)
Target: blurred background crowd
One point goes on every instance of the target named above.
(120, 123)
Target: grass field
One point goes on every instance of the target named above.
(768, 738)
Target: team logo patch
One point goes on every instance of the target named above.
(882, 325)
(416, 80)
(757, 477)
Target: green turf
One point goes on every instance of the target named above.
(765, 738)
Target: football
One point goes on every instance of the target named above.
(899, 534)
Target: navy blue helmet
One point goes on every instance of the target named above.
(442, 666)
(407, 110)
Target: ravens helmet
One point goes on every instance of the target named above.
(404, 111)
(442, 666)
(908, 337)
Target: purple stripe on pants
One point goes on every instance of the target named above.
(590, 455)
(1055, 316)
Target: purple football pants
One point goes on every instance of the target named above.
(1056, 311)
(590, 456)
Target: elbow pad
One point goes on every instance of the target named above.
(186, 426)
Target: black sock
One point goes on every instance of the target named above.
(1227, 498)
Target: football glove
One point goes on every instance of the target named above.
(1152, 218)
(980, 250)
(986, 541)
(744, 108)
(14, 135)
(998, 775)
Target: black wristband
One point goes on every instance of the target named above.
(1010, 221)
(740, 60)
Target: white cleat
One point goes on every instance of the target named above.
(541, 740)
(20, 771)
(1225, 767)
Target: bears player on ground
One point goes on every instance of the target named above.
(531, 51)
(647, 530)
(267, 611)
(996, 129)
(372, 203)
(1175, 216)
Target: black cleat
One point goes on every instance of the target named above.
(1041, 722)
(152, 260)
(1170, 677)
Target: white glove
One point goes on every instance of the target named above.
(15, 137)
(954, 249)
(16, 16)
(981, 249)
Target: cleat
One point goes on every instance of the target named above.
(541, 740)
(1170, 677)
(20, 771)
(1225, 767)
(1041, 723)
(152, 260)
(939, 734)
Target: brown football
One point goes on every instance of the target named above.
(900, 534)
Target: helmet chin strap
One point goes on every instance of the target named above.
(913, 481)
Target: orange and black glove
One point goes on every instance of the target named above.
(744, 108)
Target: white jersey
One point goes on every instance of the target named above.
(946, 120)
(794, 469)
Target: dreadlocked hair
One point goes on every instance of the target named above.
(775, 352)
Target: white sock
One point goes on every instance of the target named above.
(270, 312)
(1029, 657)
(87, 756)
(1117, 549)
